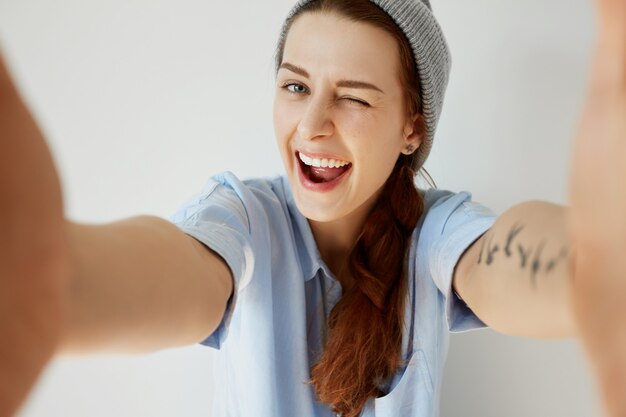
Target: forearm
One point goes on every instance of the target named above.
(31, 208)
(518, 284)
(29, 333)
(32, 250)
(138, 285)
(605, 338)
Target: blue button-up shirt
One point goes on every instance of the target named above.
(273, 328)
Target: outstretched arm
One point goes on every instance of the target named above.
(574, 282)
(139, 285)
(135, 285)
(33, 261)
(515, 278)
(597, 223)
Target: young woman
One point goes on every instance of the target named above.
(331, 290)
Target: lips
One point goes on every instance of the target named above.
(322, 174)
(321, 179)
(321, 161)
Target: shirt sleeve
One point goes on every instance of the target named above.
(451, 225)
(218, 218)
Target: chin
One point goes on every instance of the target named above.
(320, 209)
(317, 211)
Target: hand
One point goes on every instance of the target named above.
(33, 257)
(597, 215)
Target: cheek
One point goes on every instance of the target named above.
(285, 123)
(277, 119)
(368, 126)
(378, 153)
(373, 134)
(284, 120)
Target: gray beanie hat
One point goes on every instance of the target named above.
(432, 57)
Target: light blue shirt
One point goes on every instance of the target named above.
(271, 332)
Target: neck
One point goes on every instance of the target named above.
(335, 239)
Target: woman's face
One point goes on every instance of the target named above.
(321, 111)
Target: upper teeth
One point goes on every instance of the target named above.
(316, 162)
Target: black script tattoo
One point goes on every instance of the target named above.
(523, 254)
(536, 264)
(552, 263)
(491, 250)
(510, 238)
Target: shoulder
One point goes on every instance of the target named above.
(450, 223)
(447, 208)
(231, 192)
(257, 187)
(249, 205)
(236, 218)
(434, 197)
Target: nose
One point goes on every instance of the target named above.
(316, 120)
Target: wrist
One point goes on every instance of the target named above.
(611, 374)
(30, 311)
(610, 59)
(23, 356)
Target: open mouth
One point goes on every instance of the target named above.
(321, 174)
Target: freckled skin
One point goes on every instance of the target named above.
(316, 115)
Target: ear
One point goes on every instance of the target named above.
(412, 137)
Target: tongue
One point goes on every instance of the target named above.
(319, 174)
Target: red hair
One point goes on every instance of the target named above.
(363, 348)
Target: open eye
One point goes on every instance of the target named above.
(299, 88)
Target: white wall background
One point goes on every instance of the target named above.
(143, 100)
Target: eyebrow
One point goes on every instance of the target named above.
(340, 83)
